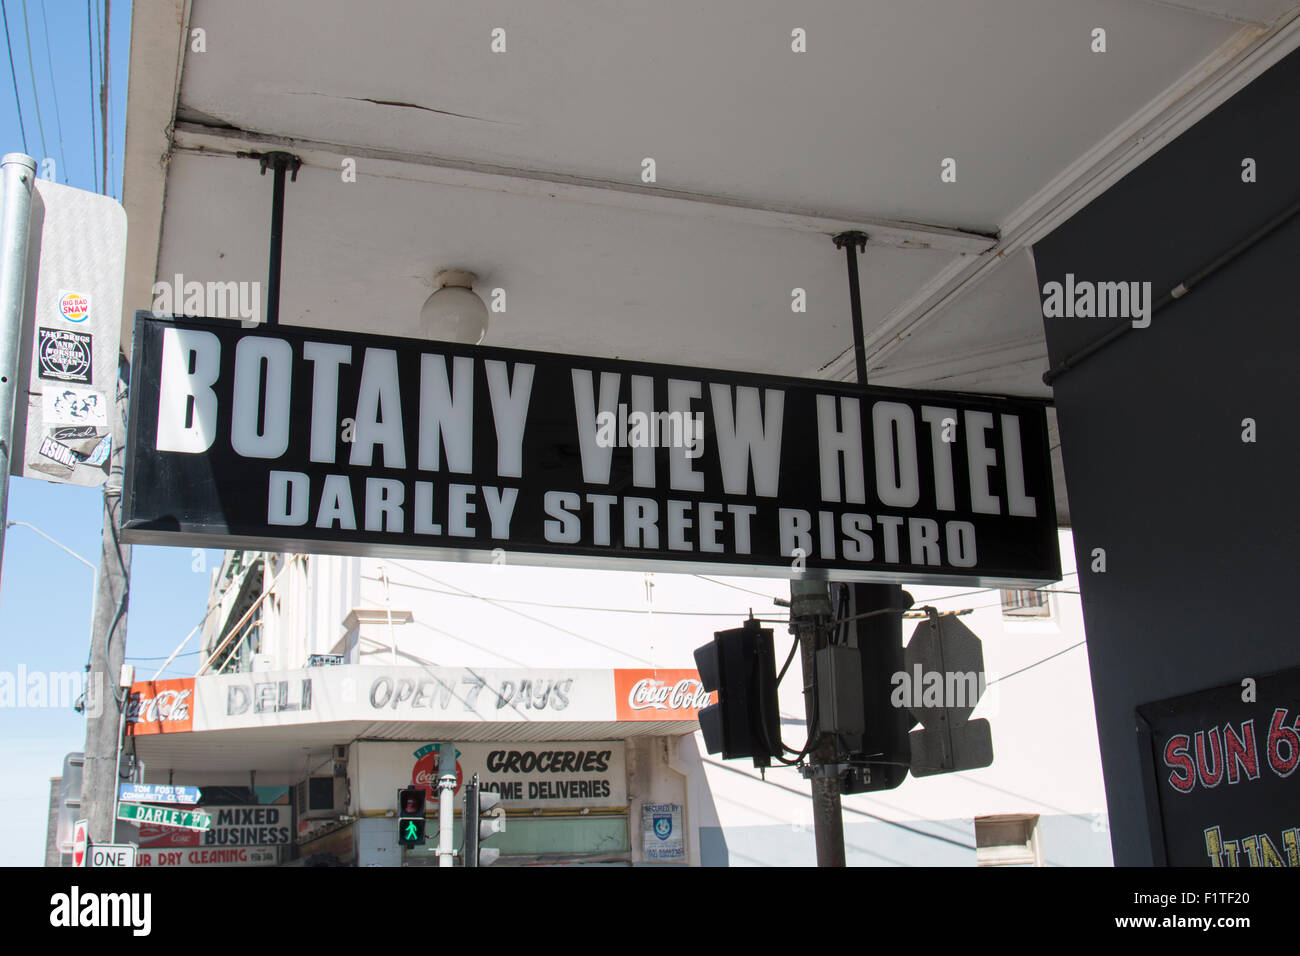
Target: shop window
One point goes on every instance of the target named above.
(1025, 602)
(1008, 840)
(320, 795)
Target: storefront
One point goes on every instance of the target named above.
(585, 762)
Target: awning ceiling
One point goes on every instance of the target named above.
(525, 166)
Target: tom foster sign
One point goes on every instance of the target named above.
(294, 438)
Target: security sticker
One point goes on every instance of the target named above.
(74, 406)
(64, 356)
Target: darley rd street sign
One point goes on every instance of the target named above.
(165, 817)
(322, 441)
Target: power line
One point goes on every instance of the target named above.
(734, 587)
(538, 620)
(90, 64)
(847, 809)
(54, 86)
(1046, 590)
(105, 71)
(584, 607)
(946, 597)
(474, 644)
(103, 113)
(32, 71)
(17, 99)
(1036, 663)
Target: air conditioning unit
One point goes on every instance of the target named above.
(322, 798)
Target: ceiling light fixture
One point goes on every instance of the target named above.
(454, 313)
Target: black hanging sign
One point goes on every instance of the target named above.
(1221, 781)
(291, 438)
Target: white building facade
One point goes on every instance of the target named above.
(330, 683)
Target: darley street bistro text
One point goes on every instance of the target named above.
(316, 436)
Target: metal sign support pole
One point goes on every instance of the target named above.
(105, 699)
(867, 597)
(18, 180)
(278, 161)
(446, 804)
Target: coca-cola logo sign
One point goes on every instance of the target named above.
(648, 693)
(160, 707)
(168, 705)
(427, 769)
(668, 695)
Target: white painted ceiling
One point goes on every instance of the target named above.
(712, 91)
(525, 166)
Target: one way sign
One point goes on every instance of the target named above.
(112, 854)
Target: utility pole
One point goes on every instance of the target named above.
(810, 615)
(17, 179)
(105, 700)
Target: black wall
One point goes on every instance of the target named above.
(1200, 530)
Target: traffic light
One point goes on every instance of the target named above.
(410, 816)
(739, 665)
(880, 754)
(484, 817)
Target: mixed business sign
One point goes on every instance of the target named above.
(245, 835)
(323, 441)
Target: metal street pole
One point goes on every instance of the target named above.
(878, 634)
(105, 711)
(127, 678)
(446, 804)
(810, 613)
(17, 179)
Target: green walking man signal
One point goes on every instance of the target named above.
(410, 816)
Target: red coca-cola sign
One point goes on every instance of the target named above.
(160, 837)
(666, 694)
(427, 768)
(160, 707)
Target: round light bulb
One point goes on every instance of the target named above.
(454, 313)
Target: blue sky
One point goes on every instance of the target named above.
(45, 595)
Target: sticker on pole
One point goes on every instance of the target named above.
(64, 356)
(72, 327)
(74, 306)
